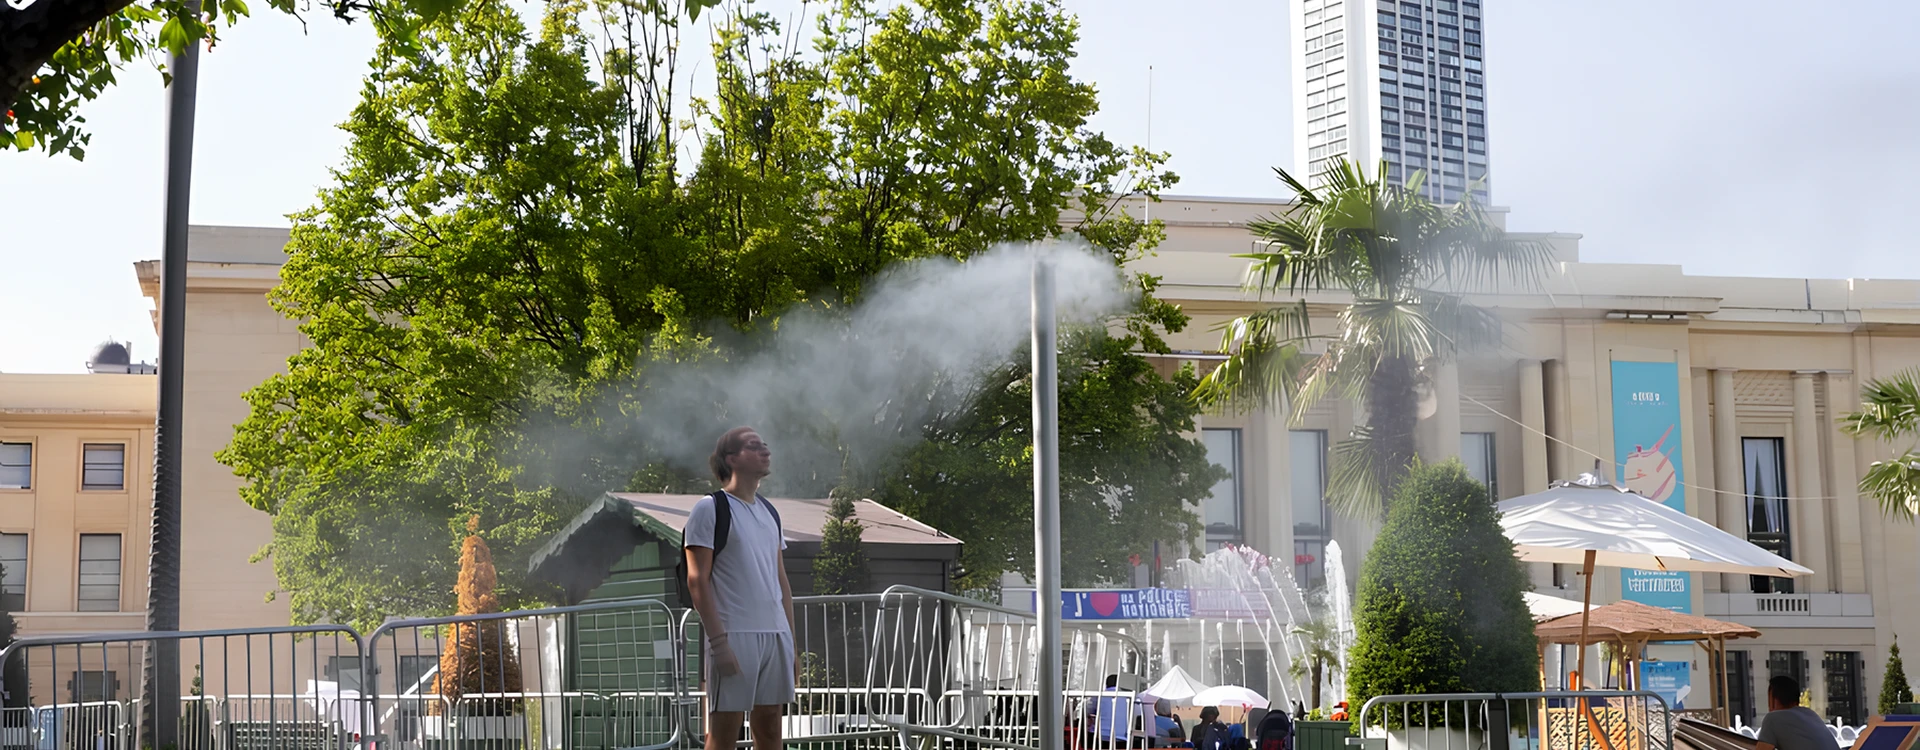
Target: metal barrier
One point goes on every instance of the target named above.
(1564, 720)
(258, 688)
(592, 675)
(975, 665)
(888, 670)
(834, 702)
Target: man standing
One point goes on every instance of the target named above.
(1789, 725)
(742, 594)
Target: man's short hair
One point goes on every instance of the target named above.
(1784, 689)
(1113, 680)
(1210, 713)
(1163, 707)
(733, 441)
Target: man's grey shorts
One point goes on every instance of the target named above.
(765, 677)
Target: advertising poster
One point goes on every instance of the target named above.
(1672, 680)
(1647, 446)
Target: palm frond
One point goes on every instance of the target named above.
(1395, 327)
(1462, 326)
(1889, 407)
(1895, 484)
(1355, 468)
(1303, 195)
(1264, 360)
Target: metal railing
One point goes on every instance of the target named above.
(1563, 720)
(237, 699)
(591, 675)
(896, 669)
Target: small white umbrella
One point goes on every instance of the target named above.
(1544, 608)
(1590, 524)
(1175, 685)
(1230, 695)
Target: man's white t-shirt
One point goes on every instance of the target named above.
(746, 575)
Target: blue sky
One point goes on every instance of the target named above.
(1761, 138)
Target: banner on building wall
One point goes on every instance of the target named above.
(1649, 459)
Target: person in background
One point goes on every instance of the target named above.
(1113, 717)
(1210, 734)
(1789, 725)
(1166, 729)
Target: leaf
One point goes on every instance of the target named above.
(23, 139)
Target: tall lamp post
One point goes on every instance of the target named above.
(1046, 506)
(161, 672)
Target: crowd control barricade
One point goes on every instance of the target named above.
(598, 675)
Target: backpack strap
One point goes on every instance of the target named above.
(722, 520)
(776, 517)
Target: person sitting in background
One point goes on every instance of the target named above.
(1210, 734)
(1167, 731)
(1789, 725)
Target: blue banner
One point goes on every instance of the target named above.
(1127, 604)
(1647, 440)
(1672, 680)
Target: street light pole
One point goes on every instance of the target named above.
(1046, 507)
(161, 673)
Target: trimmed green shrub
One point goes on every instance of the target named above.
(1894, 688)
(1440, 607)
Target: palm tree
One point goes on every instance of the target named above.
(1320, 644)
(1406, 261)
(1890, 410)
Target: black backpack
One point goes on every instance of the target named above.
(1212, 735)
(722, 528)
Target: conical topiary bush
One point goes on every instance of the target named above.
(476, 658)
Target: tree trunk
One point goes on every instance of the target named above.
(30, 36)
(1315, 690)
(1393, 411)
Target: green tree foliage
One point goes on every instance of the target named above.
(1894, 688)
(1890, 411)
(1408, 263)
(511, 253)
(58, 55)
(1440, 607)
(841, 567)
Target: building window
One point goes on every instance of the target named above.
(13, 580)
(1788, 664)
(1846, 690)
(1223, 507)
(1476, 451)
(1739, 670)
(104, 467)
(16, 466)
(1312, 524)
(99, 573)
(1768, 524)
(93, 686)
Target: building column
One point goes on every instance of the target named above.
(1849, 553)
(1559, 457)
(1533, 435)
(1276, 497)
(1809, 513)
(1729, 477)
(1439, 435)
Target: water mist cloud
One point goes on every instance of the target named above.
(918, 346)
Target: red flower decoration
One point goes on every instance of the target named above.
(1303, 559)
